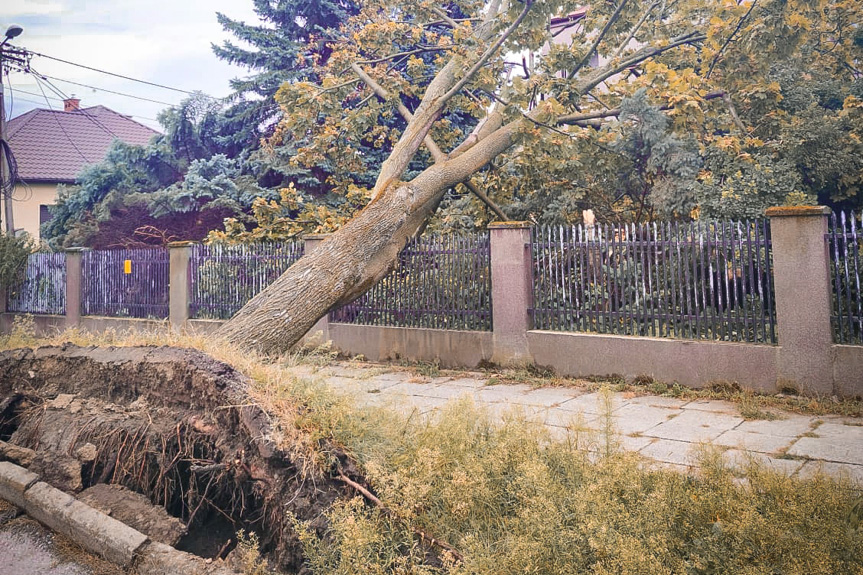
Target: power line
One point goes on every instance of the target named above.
(108, 91)
(60, 92)
(60, 124)
(20, 91)
(113, 74)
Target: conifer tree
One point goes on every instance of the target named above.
(291, 34)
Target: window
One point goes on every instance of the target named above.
(44, 214)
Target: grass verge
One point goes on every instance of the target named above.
(510, 500)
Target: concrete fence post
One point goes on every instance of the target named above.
(322, 327)
(178, 284)
(74, 285)
(801, 268)
(511, 292)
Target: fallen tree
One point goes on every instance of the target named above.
(389, 48)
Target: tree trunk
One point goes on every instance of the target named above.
(343, 267)
(349, 262)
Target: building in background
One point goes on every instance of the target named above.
(51, 147)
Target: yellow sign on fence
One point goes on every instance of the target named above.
(127, 266)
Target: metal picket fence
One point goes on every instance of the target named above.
(697, 280)
(845, 242)
(224, 277)
(42, 289)
(440, 282)
(125, 283)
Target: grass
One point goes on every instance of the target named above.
(511, 501)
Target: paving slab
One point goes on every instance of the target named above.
(349, 372)
(364, 386)
(503, 409)
(840, 430)
(668, 451)
(694, 426)
(753, 441)
(449, 391)
(638, 418)
(565, 418)
(740, 460)
(340, 382)
(548, 396)
(658, 401)
(834, 442)
(497, 393)
(790, 426)
(853, 473)
(593, 403)
(417, 389)
(713, 405)
(396, 376)
(427, 404)
(635, 443)
(468, 382)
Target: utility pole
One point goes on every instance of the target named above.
(7, 187)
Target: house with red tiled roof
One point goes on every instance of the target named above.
(51, 147)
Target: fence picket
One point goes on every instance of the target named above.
(699, 280)
(42, 289)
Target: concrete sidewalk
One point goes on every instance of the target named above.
(663, 429)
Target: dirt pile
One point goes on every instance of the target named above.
(171, 424)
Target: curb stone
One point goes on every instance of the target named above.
(14, 481)
(95, 531)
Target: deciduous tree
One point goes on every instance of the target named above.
(359, 85)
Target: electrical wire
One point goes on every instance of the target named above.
(108, 91)
(20, 91)
(114, 74)
(59, 123)
(83, 111)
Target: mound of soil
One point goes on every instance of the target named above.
(172, 424)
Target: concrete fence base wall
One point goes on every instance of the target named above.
(690, 363)
(806, 358)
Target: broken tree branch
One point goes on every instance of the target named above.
(379, 504)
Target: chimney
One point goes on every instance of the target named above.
(71, 104)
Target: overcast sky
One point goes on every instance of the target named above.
(161, 41)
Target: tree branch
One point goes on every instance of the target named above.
(429, 110)
(437, 154)
(728, 40)
(585, 118)
(634, 30)
(599, 38)
(444, 16)
(405, 53)
(733, 111)
(645, 53)
(489, 52)
(379, 504)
